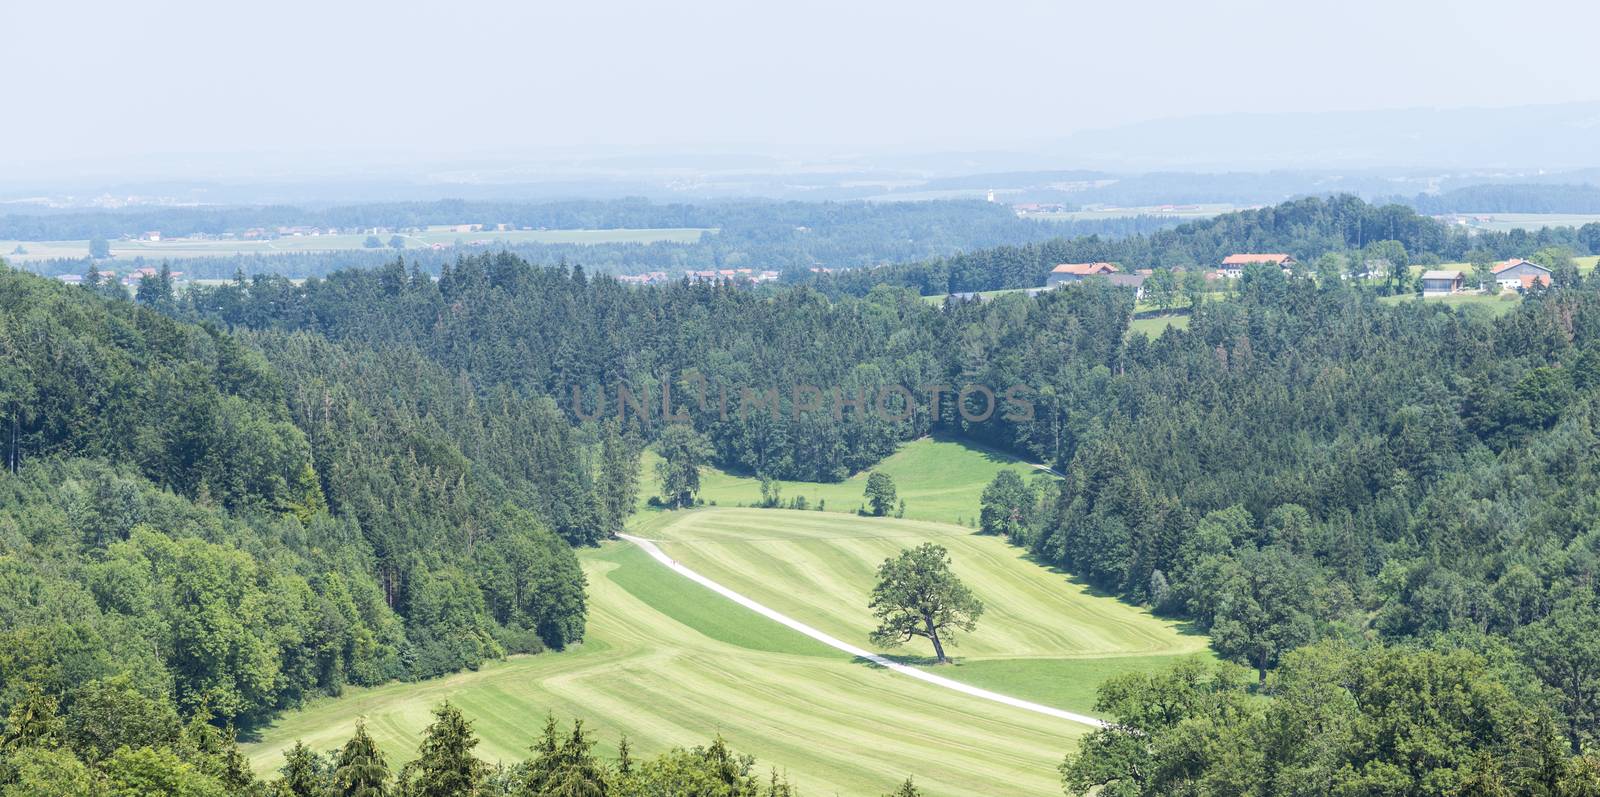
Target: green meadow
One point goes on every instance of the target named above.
(670, 663)
(1497, 304)
(1153, 326)
(939, 478)
(1043, 636)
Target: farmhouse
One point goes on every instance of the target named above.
(1441, 282)
(1077, 272)
(1233, 265)
(1517, 274)
(1134, 281)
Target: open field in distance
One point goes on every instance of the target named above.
(179, 248)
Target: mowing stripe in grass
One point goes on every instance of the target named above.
(669, 595)
(946, 683)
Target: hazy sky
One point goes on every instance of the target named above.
(89, 86)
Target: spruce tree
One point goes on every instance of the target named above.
(907, 789)
(447, 767)
(619, 476)
(360, 770)
(302, 772)
(567, 769)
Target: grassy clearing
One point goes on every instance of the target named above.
(179, 248)
(820, 567)
(1156, 325)
(1498, 304)
(1504, 222)
(939, 478)
(670, 664)
(1187, 212)
(938, 298)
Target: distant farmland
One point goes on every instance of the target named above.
(1503, 222)
(178, 248)
(1097, 213)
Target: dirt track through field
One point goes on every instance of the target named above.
(656, 553)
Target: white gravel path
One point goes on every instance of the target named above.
(921, 675)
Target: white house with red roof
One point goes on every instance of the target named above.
(1517, 274)
(1077, 272)
(1233, 265)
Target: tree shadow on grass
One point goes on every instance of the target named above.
(908, 660)
(987, 451)
(1185, 626)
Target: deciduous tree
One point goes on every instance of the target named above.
(918, 596)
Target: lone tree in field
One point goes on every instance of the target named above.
(683, 451)
(880, 493)
(917, 595)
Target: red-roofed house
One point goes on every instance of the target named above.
(1076, 272)
(1233, 265)
(1518, 274)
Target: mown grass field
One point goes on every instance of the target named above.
(1155, 325)
(670, 663)
(178, 248)
(1186, 212)
(940, 479)
(1043, 636)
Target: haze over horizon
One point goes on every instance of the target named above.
(178, 89)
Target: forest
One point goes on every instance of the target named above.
(1511, 198)
(231, 524)
(1306, 228)
(221, 503)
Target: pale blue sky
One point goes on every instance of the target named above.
(115, 82)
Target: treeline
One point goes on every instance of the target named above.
(550, 331)
(1305, 228)
(236, 524)
(787, 237)
(1305, 463)
(1510, 198)
(113, 741)
(183, 221)
(738, 363)
(1429, 720)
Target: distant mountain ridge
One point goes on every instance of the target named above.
(1561, 136)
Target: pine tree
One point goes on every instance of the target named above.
(624, 757)
(567, 769)
(360, 770)
(447, 767)
(907, 789)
